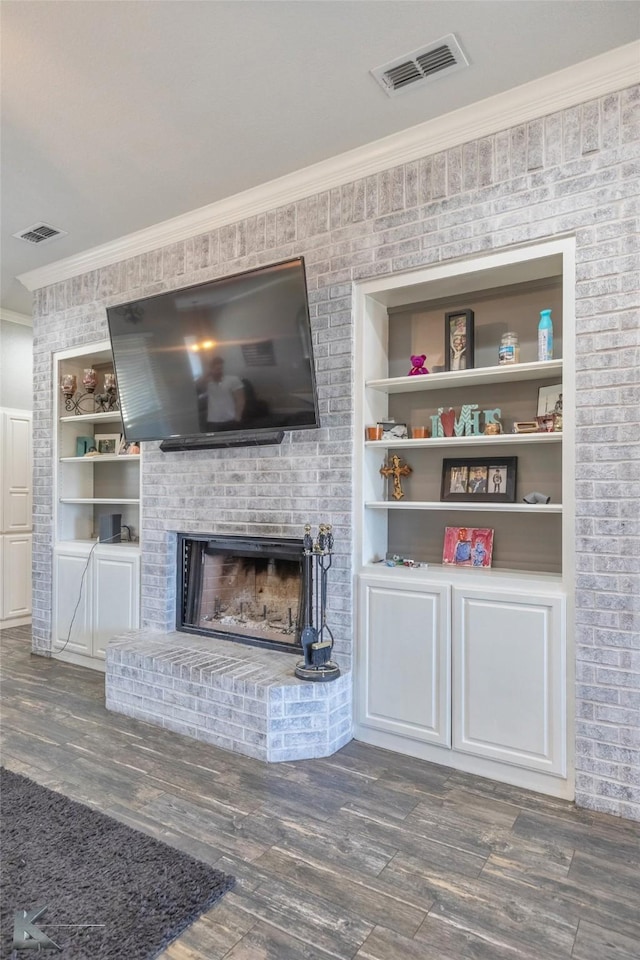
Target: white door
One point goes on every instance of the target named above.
(509, 678)
(72, 604)
(16, 472)
(16, 577)
(404, 661)
(116, 598)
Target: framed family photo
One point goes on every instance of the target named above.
(479, 479)
(458, 340)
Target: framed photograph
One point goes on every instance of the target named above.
(128, 448)
(107, 443)
(479, 480)
(393, 431)
(458, 340)
(550, 400)
(468, 546)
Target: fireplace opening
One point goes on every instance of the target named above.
(248, 589)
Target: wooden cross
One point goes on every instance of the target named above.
(396, 471)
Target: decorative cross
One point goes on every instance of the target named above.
(396, 471)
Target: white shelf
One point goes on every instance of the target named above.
(450, 506)
(102, 500)
(500, 438)
(102, 457)
(468, 378)
(464, 575)
(93, 417)
(63, 546)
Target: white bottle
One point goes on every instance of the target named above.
(545, 336)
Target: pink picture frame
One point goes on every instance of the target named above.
(468, 546)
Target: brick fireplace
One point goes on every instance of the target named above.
(226, 675)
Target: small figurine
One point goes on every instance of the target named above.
(418, 366)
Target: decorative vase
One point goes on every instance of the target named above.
(68, 384)
(89, 379)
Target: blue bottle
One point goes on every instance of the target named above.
(545, 336)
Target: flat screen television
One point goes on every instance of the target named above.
(227, 362)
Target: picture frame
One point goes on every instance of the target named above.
(468, 546)
(458, 340)
(108, 443)
(393, 431)
(549, 400)
(129, 448)
(479, 479)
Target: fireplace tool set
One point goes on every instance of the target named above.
(316, 637)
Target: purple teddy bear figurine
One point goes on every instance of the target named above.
(418, 365)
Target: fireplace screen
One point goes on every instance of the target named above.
(245, 589)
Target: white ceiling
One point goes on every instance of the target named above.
(119, 114)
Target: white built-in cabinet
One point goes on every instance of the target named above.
(96, 586)
(96, 595)
(509, 694)
(405, 686)
(470, 668)
(15, 517)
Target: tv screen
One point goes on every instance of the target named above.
(227, 358)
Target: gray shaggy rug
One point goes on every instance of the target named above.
(89, 869)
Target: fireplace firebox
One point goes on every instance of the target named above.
(249, 589)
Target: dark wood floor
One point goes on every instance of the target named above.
(366, 854)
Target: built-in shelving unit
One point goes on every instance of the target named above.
(89, 486)
(464, 666)
(96, 585)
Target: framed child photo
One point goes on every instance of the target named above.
(458, 340)
(468, 546)
(479, 479)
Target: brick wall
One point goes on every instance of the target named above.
(575, 172)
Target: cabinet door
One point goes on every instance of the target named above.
(72, 603)
(116, 593)
(16, 472)
(16, 579)
(404, 660)
(509, 678)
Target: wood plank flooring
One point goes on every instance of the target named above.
(366, 854)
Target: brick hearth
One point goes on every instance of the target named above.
(236, 696)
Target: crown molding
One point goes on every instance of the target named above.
(10, 316)
(580, 83)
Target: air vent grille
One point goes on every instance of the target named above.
(40, 233)
(420, 67)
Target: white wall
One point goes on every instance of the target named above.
(16, 365)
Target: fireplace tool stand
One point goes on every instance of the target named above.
(316, 637)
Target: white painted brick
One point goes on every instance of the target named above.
(574, 171)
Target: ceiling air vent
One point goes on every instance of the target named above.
(40, 233)
(415, 69)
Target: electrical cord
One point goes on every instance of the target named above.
(84, 573)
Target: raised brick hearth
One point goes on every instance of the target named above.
(238, 697)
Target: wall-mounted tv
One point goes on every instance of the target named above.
(228, 362)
